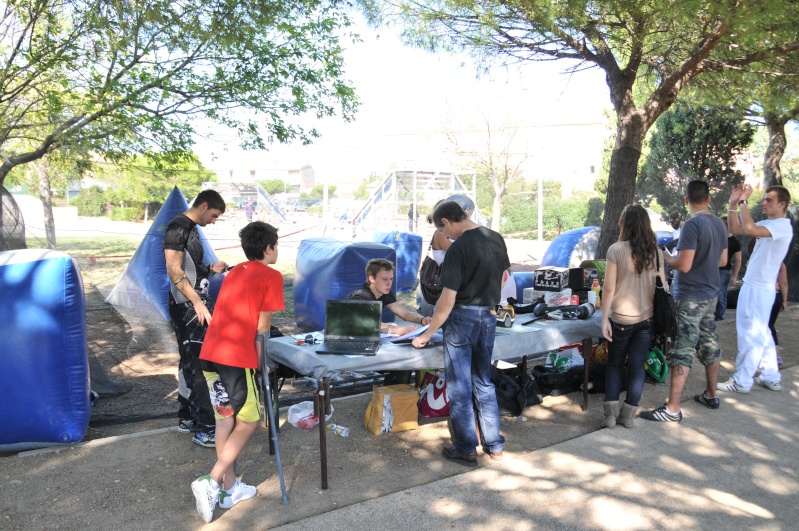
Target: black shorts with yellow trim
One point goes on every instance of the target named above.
(233, 390)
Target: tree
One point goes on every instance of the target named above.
(691, 143)
(318, 191)
(148, 179)
(648, 50)
(273, 186)
(119, 78)
(492, 151)
(57, 169)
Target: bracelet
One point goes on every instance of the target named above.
(732, 210)
(388, 328)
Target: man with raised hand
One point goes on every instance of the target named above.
(756, 348)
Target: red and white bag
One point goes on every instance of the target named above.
(433, 400)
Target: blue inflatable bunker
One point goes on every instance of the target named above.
(43, 356)
(572, 247)
(331, 269)
(409, 257)
(144, 284)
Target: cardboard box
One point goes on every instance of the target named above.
(559, 298)
(551, 278)
(553, 298)
(593, 269)
(531, 295)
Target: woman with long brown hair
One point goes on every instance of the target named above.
(627, 303)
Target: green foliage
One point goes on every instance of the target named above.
(694, 143)
(150, 178)
(520, 214)
(91, 202)
(650, 51)
(361, 193)
(273, 186)
(126, 213)
(132, 77)
(318, 191)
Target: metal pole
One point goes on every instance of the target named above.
(271, 414)
(540, 207)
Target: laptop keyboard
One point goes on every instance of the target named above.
(344, 344)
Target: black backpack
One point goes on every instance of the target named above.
(514, 393)
(553, 382)
(430, 281)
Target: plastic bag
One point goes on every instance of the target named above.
(301, 415)
(564, 360)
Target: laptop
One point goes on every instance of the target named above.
(352, 327)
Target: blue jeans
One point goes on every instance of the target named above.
(721, 306)
(630, 342)
(468, 345)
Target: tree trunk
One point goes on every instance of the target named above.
(47, 203)
(792, 260)
(772, 175)
(496, 212)
(630, 134)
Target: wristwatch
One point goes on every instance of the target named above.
(742, 202)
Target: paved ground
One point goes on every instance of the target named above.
(734, 468)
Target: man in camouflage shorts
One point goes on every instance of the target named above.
(701, 250)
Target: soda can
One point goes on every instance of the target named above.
(575, 300)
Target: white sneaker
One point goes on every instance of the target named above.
(239, 492)
(205, 496)
(774, 386)
(731, 386)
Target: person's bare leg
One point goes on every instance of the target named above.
(228, 450)
(712, 374)
(679, 375)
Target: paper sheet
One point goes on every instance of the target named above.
(410, 335)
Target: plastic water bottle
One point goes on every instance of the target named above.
(339, 430)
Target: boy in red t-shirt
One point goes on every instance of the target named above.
(249, 295)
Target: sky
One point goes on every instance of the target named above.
(410, 96)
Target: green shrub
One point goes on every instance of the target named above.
(126, 213)
(521, 215)
(90, 202)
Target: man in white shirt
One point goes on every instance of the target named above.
(756, 348)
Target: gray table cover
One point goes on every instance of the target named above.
(541, 336)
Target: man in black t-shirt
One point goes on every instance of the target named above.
(728, 273)
(190, 310)
(472, 276)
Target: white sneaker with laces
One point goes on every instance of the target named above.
(774, 386)
(239, 492)
(205, 496)
(733, 387)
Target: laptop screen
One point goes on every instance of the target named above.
(359, 319)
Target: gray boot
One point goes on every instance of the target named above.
(627, 415)
(611, 409)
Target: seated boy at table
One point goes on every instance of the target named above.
(250, 293)
(379, 278)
